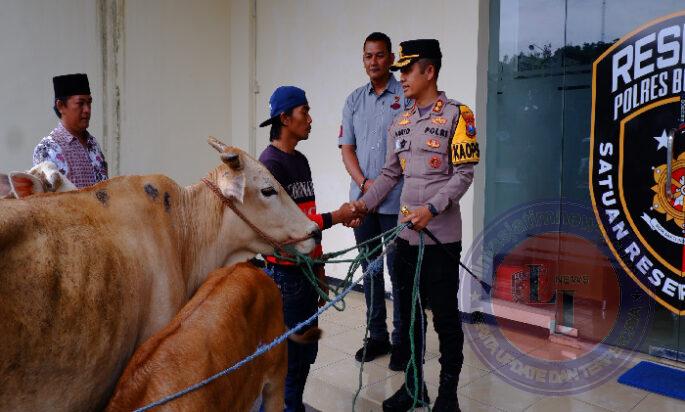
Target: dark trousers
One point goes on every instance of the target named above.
(373, 225)
(299, 303)
(439, 287)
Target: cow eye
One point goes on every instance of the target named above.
(269, 191)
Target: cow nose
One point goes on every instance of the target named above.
(316, 235)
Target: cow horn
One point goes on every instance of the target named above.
(215, 143)
(232, 160)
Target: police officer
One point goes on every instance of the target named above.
(433, 145)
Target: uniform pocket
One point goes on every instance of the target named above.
(433, 156)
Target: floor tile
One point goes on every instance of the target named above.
(325, 397)
(613, 396)
(351, 317)
(472, 405)
(563, 404)
(348, 342)
(345, 374)
(327, 356)
(472, 359)
(331, 328)
(491, 390)
(654, 403)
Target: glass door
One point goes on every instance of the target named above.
(642, 227)
(587, 277)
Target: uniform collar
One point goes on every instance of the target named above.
(393, 86)
(438, 107)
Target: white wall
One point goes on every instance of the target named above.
(40, 40)
(175, 88)
(317, 45)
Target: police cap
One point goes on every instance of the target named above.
(413, 50)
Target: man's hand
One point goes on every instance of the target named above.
(354, 223)
(419, 217)
(320, 272)
(348, 215)
(367, 185)
(359, 207)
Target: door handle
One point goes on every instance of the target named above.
(669, 164)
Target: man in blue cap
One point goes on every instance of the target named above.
(291, 123)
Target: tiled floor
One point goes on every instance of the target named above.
(334, 379)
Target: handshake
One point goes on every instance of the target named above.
(350, 214)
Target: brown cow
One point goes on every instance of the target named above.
(87, 276)
(234, 312)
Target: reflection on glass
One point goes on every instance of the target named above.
(539, 111)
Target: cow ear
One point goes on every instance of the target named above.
(5, 188)
(24, 184)
(232, 160)
(234, 187)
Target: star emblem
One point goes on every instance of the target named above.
(662, 139)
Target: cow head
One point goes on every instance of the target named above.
(259, 196)
(44, 177)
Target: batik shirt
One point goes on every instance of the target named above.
(82, 165)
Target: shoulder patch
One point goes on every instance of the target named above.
(464, 145)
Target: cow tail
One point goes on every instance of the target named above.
(312, 335)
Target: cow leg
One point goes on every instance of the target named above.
(273, 396)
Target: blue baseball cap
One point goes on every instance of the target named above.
(283, 99)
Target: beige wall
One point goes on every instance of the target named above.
(39, 40)
(165, 74)
(175, 89)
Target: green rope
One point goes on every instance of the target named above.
(307, 263)
(415, 296)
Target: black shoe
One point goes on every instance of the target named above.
(445, 404)
(402, 400)
(374, 349)
(398, 361)
(447, 400)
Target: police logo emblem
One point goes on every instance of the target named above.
(438, 106)
(396, 103)
(438, 120)
(434, 143)
(435, 162)
(404, 122)
(637, 157)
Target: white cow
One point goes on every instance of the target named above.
(43, 177)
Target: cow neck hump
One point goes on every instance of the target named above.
(201, 215)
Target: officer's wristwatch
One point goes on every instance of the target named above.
(432, 209)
